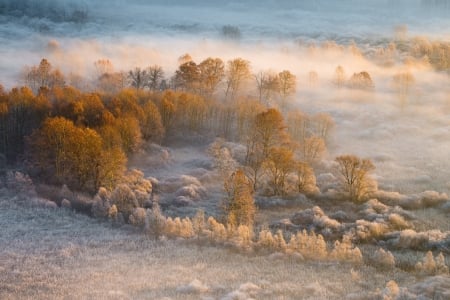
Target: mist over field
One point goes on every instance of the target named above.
(405, 132)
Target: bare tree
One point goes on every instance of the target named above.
(155, 76)
(138, 78)
(268, 84)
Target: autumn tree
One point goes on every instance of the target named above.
(279, 164)
(112, 82)
(212, 72)
(21, 112)
(322, 124)
(152, 127)
(312, 149)
(361, 80)
(354, 174)
(43, 75)
(306, 180)
(75, 156)
(299, 125)
(267, 131)
(236, 74)
(402, 83)
(339, 77)
(287, 85)
(102, 67)
(130, 133)
(188, 76)
(239, 205)
(268, 85)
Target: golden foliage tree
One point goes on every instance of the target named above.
(239, 205)
(279, 164)
(74, 156)
(354, 174)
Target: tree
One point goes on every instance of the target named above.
(402, 83)
(43, 76)
(188, 76)
(268, 84)
(130, 133)
(299, 125)
(212, 72)
(102, 67)
(75, 156)
(361, 80)
(152, 128)
(239, 205)
(287, 85)
(306, 180)
(312, 149)
(339, 77)
(267, 131)
(354, 174)
(279, 164)
(138, 78)
(22, 112)
(322, 124)
(155, 75)
(237, 72)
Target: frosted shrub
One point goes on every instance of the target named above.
(112, 212)
(178, 228)
(137, 218)
(21, 184)
(154, 222)
(244, 236)
(345, 251)
(198, 223)
(432, 266)
(310, 246)
(411, 239)
(398, 222)
(391, 291)
(266, 240)
(366, 230)
(141, 186)
(217, 230)
(186, 228)
(124, 199)
(384, 259)
(280, 243)
(102, 204)
(66, 204)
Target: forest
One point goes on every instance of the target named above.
(317, 170)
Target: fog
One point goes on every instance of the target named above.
(409, 142)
